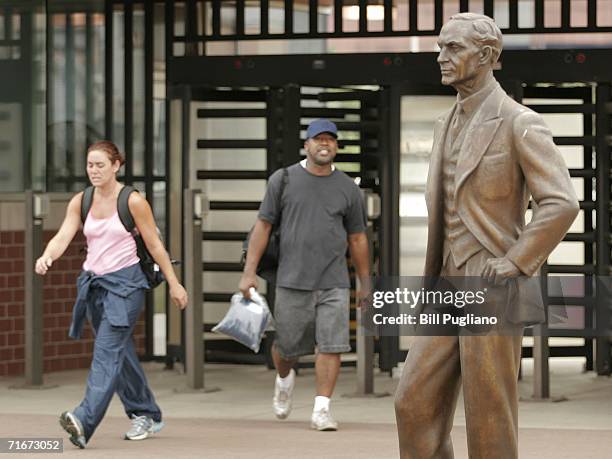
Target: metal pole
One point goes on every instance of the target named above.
(194, 342)
(541, 352)
(603, 358)
(195, 208)
(390, 108)
(365, 360)
(149, 152)
(365, 341)
(33, 292)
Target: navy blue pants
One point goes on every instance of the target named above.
(115, 366)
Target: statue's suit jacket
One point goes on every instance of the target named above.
(507, 155)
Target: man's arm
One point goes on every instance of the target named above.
(358, 245)
(269, 213)
(257, 245)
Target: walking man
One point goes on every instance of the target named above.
(489, 155)
(321, 209)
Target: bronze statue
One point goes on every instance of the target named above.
(489, 155)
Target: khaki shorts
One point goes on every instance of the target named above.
(308, 318)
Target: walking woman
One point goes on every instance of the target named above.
(111, 291)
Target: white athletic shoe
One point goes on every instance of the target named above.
(322, 420)
(283, 397)
(71, 424)
(142, 426)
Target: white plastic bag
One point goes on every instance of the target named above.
(246, 320)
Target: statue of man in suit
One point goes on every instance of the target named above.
(489, 155)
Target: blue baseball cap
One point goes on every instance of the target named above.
(319, 126)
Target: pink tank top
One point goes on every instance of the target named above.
(109, 246)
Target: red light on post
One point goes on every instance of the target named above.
(387, 61)
(238, 64)
(580, 58)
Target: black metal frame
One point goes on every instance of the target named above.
(286, 111)
(149, 177)
(214, 9)
(384, 69)
(587, 141)
(394, 73)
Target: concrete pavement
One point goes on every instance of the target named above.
(237, 422)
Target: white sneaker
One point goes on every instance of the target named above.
(283, 397)
(71, 424)
(142, 426)
(322, 421)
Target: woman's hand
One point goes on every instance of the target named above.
(178, 294)
(43, 264)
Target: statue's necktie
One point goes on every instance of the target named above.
(458, 123)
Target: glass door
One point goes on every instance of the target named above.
(418, 117)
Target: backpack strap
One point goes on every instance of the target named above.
(282, 191)
(284, 182)
(86, 202)
(123, 209)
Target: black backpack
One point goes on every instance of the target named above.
(147, 263)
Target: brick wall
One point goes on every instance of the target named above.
(60, 352)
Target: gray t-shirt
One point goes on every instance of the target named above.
(318, 213)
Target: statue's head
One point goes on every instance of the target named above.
(470, 45)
